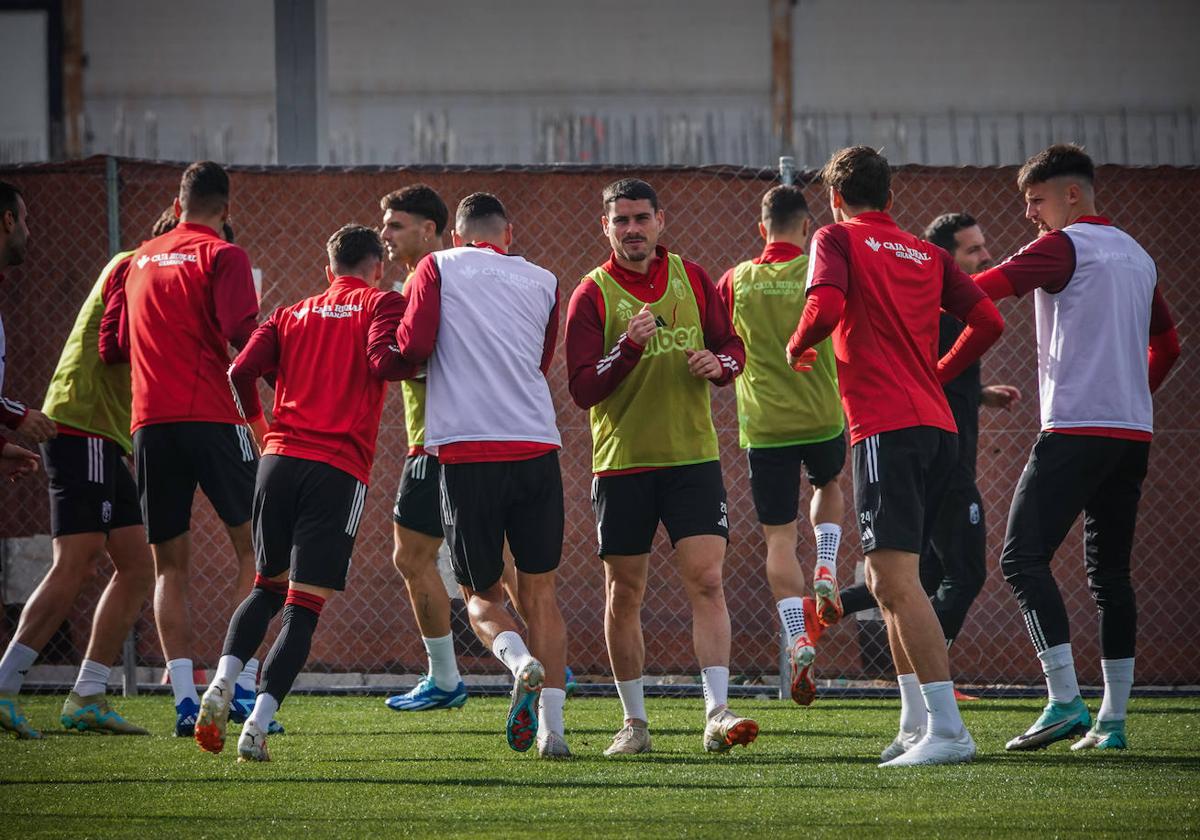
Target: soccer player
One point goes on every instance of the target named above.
(331, 355)
(1098, 306)
(414, 219)
(486, 322)
(188, 295)
(94, 512)
(877, 290)
(954, 563)
(16, 461)
(646, 335)
(788, 422)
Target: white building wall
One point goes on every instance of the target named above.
(658, 81)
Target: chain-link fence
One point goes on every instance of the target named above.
(283, 217)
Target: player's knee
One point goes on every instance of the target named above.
(1111, 590)
(411, 562)
(890, 592)
(625, 596)
(706, 585)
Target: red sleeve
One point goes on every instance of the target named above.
(593, 370)
(1045, 263)
(260, 357)
(984, 326)
(719, 336)
(725, 291)
(233, 295)
(829, 259)
(418, 328)
(551, 335)
(383, 355)
(960, 295)
(12, 412)
(114, 323)
(1164, 341)
(823, 309)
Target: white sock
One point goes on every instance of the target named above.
(17, 661)
(183, 684)
(550, 709)
(1059, 667)
(248, 678)
(230, 670)
(791, 614)
(633, 699)
(942, 709)
(510, 649)
(92, 679)
(265, 707)
(716, 688)
(829, 537)
(1118, 681)
(443, 666)
(912, 703)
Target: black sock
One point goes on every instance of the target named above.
(856, 599)
(248, 627)
(290, 651)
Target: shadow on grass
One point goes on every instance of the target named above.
(453, 782)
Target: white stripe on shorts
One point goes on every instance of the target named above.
(356, 509)
(244, 442)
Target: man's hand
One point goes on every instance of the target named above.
(1000, 396)
(17, 462)
(641, 326)
(259, 429)
(804, 362)
(703, 364)
(37, 426)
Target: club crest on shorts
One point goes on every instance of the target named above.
(106, 512)
(973, 513)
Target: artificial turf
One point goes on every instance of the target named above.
(351, 767)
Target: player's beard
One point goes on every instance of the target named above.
(627, 252)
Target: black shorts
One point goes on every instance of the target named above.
(172, 458)
(900, 478)
(483, 503)
(775, 475)
(91, 488)
(417, 500)
(688, 500)
(306, 516)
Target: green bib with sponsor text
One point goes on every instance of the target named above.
(660, 415)
(412, 391)
(85, 393)
(776, 405)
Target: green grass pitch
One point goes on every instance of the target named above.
(351, 767)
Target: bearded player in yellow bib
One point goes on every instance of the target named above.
(786, 421)
(646, 334)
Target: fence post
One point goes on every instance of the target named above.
(787, 176)
(112, 188)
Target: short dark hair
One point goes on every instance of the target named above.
(1061, 159)
(167, 220)
(479, 207)
(204, 188)
(420, 200)
(352, 245)
(861, 175)
(784, 208)
(9, 193)
(631, 189)
(944, 228)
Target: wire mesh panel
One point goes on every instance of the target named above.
(283, 217)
